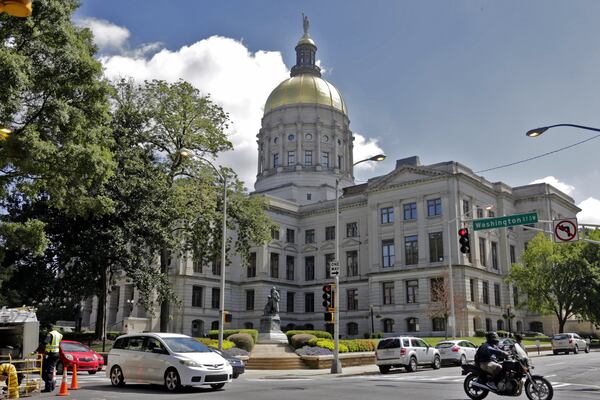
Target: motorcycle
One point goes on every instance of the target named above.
(517, 375)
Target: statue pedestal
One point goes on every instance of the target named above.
(270, 330)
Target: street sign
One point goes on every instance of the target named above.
(334, 268)
(503, 222)
(565, 230)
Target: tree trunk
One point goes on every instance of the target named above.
(100, 308)
(164, 305)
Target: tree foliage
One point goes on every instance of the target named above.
(557, 278)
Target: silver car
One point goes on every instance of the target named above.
(457, 352)
(406, 352)
(569, 342)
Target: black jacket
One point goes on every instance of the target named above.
(488, 352)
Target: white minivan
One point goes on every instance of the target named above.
(169, 359)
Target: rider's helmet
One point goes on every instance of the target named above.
(492, 338)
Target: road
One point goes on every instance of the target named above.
(573, 377)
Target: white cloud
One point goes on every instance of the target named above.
(590, 211)
(365, 148)
(107, 35)
(564, 187)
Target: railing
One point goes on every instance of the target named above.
(26, 371)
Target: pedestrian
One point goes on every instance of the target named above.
(50, 347)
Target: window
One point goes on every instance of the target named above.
(309, 268)
(352, 328)
(291, 158)
(387, 253)
(388, 325)
(215, 324)
(325, 159)
(328, 259)
(352, 229)
(308, 157)
(485, 292)
(387, 215)
(434, 207)
(482, 255)
(250, 299)
(248, 325)
(494, 255)
(216, 267)
(309, 302)
(136, 343)
(215, 298)
(352, 263)
(309, 236)
(275, 233)
(352, 299)
(290, 236)
(275, 160)
(412, 325)
(308, 196)
(491, 214)
(330, 233)
(513, 256)
(472, 288)
(466, 207)
(411, 250)
(340, 162)
(196, 296)
(388, 292)
(289, 307)
(436, 247)
(412, 291)
(438, 324)
(274, 264)
(410, 211)
(289, 268)
(437, 289)
(497, 295)
(479, 212)
(500, 324)
(197, 266)
(488, 324)
(515, 296)
(252, 265)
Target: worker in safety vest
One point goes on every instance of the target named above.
(50, 346)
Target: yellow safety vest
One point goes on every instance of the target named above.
(52, 347)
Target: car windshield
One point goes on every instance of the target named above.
(74, 348)
(560, 337)
(185, 345)
(444, 345)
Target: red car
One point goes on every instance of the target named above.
(72, 352)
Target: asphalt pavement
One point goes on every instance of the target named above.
(573, 377)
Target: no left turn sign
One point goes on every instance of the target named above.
(565, 230)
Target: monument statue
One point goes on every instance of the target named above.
(305, 24)
(272, 306)
(270, 323)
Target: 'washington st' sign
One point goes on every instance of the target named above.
(505, 222)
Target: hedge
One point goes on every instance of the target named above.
(214, 343)
(358, 345)
(301, 339)
(318, 334)
(327, 344)
(214, 334)
(242, 341)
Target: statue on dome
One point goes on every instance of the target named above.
(305, 23)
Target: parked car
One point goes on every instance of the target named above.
(238, 365)
(406, 352)
(457, 352)
(169, 359)
(568, 342)
(75, 353)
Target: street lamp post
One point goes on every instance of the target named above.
(538, 131)
(336, 365)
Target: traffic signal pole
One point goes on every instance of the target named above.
(336, 365)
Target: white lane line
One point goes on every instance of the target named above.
(561, 385)
(551, 365)
(441, 378)
(549, 376)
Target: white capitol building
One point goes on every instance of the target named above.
(394, 234)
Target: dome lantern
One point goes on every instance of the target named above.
(305, 54)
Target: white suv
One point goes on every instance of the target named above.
(406, 352)
(568, 342)
(166, 358)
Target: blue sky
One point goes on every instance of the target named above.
(445, 80)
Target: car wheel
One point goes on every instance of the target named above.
(576, 349)
(116, 376)
(172, 381)
(555, 352)
(217, 386)
(437, 363)
(587, 349)
(235, 376)
(384, 369)
(463, 360)
(92, 372)
(59, 368)
(412, 365)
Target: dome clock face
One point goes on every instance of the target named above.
(308, 136)
(325, 139)
(291, 137)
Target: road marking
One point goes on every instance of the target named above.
(551, 365)
(561, 385)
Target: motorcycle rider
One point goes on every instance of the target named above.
(487, 356)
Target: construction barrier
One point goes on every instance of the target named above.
(27, 374)
(74, 385)
(63, 385)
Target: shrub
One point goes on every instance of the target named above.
(214, 334)
(376, 335)
(479, 333)
(313, 351)
(502, 333)
(328, 344)
(215, 343)
(242, 340)
(357, 345)
(318, 334)
(301, 339)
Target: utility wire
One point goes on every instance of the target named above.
(538, 156)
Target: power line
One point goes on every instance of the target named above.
(538, 156)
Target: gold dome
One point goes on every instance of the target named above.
(305, 89)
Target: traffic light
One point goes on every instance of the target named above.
(329, 317)
(465, 245)
(327, 297)
(228, 317)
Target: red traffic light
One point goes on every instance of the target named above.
(464, 240)
(463, 232)
(327, 289)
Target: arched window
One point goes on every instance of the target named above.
(488, 325)
(248, 325)
(412, 324)
(197, 328)
(309, 327)
(476, 323)
(388, 325)
(536, 326)
(438, 324)
(352, 328)
(519, 326)
(214, 325)
(500, 324)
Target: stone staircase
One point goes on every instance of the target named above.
(274, 356)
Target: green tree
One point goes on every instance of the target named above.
(556, 278)
(591, 253)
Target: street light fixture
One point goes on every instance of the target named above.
(538, 131)
(186, 154)
(336, 365)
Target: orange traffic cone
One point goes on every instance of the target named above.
(63, 386)
(74, 385)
